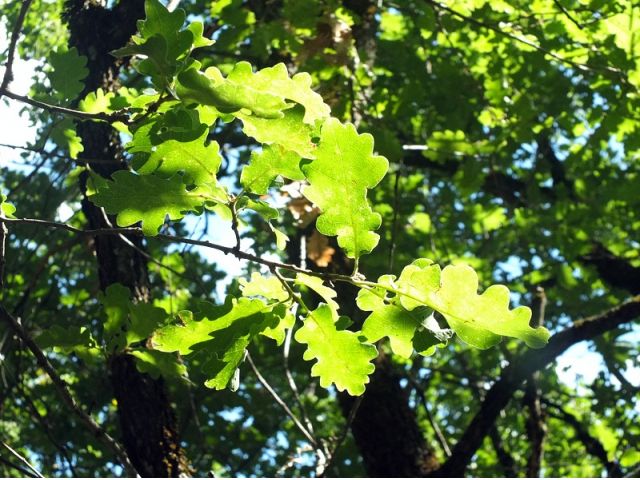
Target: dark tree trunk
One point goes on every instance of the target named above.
(385, 428)
(147, 420)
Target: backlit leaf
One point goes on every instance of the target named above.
(198, 162)
(342, 358)
(220, 334)
(147, 199)
(69, 71)
(479, 320)
(265, 166)
(344, 169)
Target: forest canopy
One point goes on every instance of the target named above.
(320, 238)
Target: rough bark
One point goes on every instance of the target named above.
(147, 420)
(385, 428)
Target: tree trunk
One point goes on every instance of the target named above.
(147, 420)
(385, 427)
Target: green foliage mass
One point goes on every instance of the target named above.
(319, 145)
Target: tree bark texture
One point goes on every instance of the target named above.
(385, 427)
(147, 420)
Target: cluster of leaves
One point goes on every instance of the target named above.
(174, 172)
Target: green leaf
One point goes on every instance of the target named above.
(266, 211)
(69, 71)
(6, 208)
(288, 131)
(159, 364)
(269, 288)
(147, 199)
(162, 42)
(199, 41)
(97, 102)
(344, 169)
(115, 302)
(221, 334)
(229, 94)
(198, 162)
(263, 92)
(265, 166)
(317, 285)
(159, 61)
(276, 81)
(479, 320)
(342, 358)
(64, 134)
(281, 237)
(284, 321)
(144, 319)
(67, 339)
(127, 322)
(159, 20)
(405, 329)
(394, 322)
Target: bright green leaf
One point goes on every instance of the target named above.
(220, 334)
(344, 169)
(159, 20)
(317, 285)
(198, 162)
(229, 96)
(288, 131)
(159, 364)
(268, 287)
(479, 320)
(147, 199)
(65, 338)
(342, 358)
(6, 208)
(276, 80)
(265, 166)
(64, 134)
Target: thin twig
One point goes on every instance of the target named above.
(3, 261)
(234, 222)
(22, 459)
(343, 435)
(292, 382)
(282, 403)
(113, 117)
(177, 239)
(43, 152)
(8, 72)
(65, 393)
(394, 221)
(568, 14)
(442, 440)
(20, 469)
